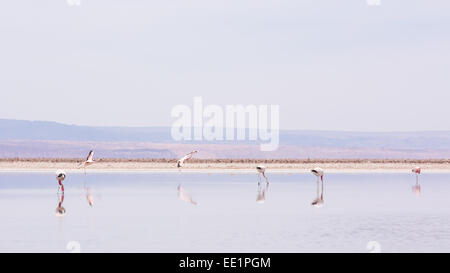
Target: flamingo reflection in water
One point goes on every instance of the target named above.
(318, 202)
(185, 196)
(60, 210)
(261, 193)
(416, 187)
(89, 195)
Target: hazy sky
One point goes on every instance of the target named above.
(331, 65)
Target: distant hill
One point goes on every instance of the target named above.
(44, 130)
(20, 138)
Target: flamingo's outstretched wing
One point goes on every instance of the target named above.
(186, 157)
(189, 155)
(90, 156)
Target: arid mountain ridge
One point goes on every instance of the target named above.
(40, 139)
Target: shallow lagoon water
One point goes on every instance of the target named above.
(141, 212)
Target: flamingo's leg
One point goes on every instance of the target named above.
(318, 183)
(321, 196)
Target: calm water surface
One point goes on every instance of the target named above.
(143, 213)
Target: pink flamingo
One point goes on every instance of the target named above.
(60, 176)
(318, 202)
(89, 161)
(261, 170)
(416, 188)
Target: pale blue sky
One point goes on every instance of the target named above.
(331, 65)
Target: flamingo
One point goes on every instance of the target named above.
(261, 170)
(89, 161)
(60, 176)
(318, 202)
(185, 195)
(416, 188)
(188, 156)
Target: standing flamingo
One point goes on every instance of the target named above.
(89, 161)
(261, 170)
(318, 202)
(188, 156)
(416, 188)
(60, 176)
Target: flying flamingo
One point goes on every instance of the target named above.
(89, 161)
(188, 156)
(185, 195)
(261, 170)
(60, 176)
(318, 202)
(416, 188)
